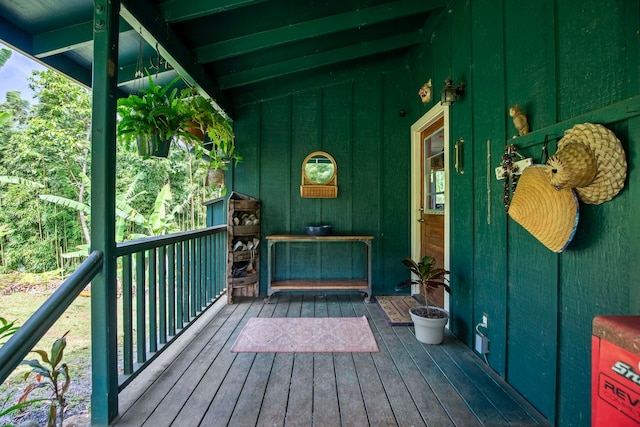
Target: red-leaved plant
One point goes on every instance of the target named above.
(428, 279)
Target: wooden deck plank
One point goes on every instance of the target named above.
(325, 394)
(295, 306)
(352, 410)
(378, 408)
(320, 305)
(274, 404)
(406, 383)
(247, 408)
(308, 308)
(506, 400)
(446, 394)
(422, 395)
(477, 402)
(300, 405)
(224, 403)
(165, 385)
(204, 391)
(333, 306)
(398, 395)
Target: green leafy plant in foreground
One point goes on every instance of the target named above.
(50, 373)
(6, 329)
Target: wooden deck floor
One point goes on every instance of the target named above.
(405, 384)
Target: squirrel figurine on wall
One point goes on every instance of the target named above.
(519, 119)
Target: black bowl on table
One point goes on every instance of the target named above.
(318, 230)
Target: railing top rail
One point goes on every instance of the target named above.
(27, 336)
(133, 246)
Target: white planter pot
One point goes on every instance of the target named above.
(429, 331)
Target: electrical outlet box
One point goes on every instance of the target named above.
(520, 164)
(482, 344)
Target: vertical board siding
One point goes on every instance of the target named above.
(366, 160)
(591, 40)
(532, 284)
(337, 107)
(489, 251)
(461, 237)
(557, 60)
(359, 124)
(396, 173)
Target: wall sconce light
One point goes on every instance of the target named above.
(450, 93)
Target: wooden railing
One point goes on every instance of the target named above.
(166, 282)
(27, 336)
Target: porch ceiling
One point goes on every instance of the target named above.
(235, 50)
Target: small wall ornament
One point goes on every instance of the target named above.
(425, 92)
(519, 120)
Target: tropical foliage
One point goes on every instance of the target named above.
(427, 277)
(45, 165)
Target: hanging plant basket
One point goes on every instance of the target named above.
(194, 129)
(215, 177)
(153, 147)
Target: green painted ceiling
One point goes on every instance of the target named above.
(235, 50)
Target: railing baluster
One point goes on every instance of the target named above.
(140, 308)
(205, 263)
(179, 287)
(127, 314)
(180, 279)
(162, 296)
(193, 282)
(153, 316)
(185, 282)
(172, 290)
(221, 261)
(200, 269)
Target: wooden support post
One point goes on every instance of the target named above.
(104, 395)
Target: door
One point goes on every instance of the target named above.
(432, 191)
(429, 190)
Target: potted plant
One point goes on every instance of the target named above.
(429, 321)
(218, 159)
(153, 118)
(204, 120)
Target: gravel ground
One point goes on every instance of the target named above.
(78, 399)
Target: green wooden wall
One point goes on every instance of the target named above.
(564, 62)
(358, 122)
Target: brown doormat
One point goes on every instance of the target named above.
(306, 335)
(396, 308)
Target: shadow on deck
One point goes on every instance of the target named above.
(201, 383)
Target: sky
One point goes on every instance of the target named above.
(13, 76)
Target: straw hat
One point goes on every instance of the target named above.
(590, 158)
(549, 214)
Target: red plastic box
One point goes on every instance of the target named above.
(615, 368)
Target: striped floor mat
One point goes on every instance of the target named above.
(396, 308)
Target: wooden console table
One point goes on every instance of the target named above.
(362, 285)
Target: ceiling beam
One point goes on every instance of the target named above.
(23, 42)
(65, 39)
(265, 72)
(140, 14)
(314, 28)
(182, 10)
